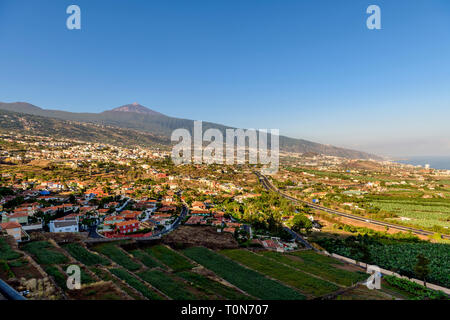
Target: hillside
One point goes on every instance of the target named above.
(137, 117)
(13, 122)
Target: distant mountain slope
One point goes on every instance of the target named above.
(20, 123)
(138, 117)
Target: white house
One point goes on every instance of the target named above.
(64, 225)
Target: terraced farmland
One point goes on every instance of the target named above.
(322, 266)
(169, 257)
(136, 284)
(145, 258)
(118, 256)
(85, 256)
(248, 280)
(45, 253)
(6, 253)
(306, 283)
(169, 284)
(118, 270)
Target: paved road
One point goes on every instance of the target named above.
(93, 232)
(176, 223)
(266, 183)
(172, 227)
(299, 238)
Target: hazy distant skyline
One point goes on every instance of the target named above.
(310, 68)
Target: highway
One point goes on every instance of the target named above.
(266, 183)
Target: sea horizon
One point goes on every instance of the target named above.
(435, 162)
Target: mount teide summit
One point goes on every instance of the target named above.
(137, 117)
(136, 108)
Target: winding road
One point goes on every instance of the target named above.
(266, 183)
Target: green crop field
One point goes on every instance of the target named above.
(117, 255)
(6, 253)
(81, 254)
(248, 280)
(212, 287)
(168, 284)
(61, 276)
(298, 279)
(422, 213)
(169, 257)
(136, 284)
(319, 265)
(58, 276)
(45, 253)
(145, 258)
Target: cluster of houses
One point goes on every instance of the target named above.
(203, 213)
(54, 212)
(275, 244)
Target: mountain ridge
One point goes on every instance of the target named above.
(137, 117)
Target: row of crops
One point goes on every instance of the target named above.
(424, 214)
(322, 266)
(252, 282)
(305, 282)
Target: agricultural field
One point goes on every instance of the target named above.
(145, 259)
(6, 252)
(212, 287)
(422, 213)
(169, 257)
(136, 284)
(169, 285)
(84, 256)
(45, 253)
(117, 255)
(322, 266)
(252, 282)
(118, 270)
(306, 283)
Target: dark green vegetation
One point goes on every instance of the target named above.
(248, 280)
(211, 286)
(6, 253)
(5, 269)
(57, 275)
(306, 283)
(416, 290)
(145, 258)
(168, 284)
(136, 284)
(60, 276)
(322, 266)
(85, 256)
(396, 255)
(118, 256)
(169, 257)
(45, 253)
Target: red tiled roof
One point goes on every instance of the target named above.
(126, 223)
(10, 225)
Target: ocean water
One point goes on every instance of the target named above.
(435, 162)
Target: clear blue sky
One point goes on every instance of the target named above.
(310, 68)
